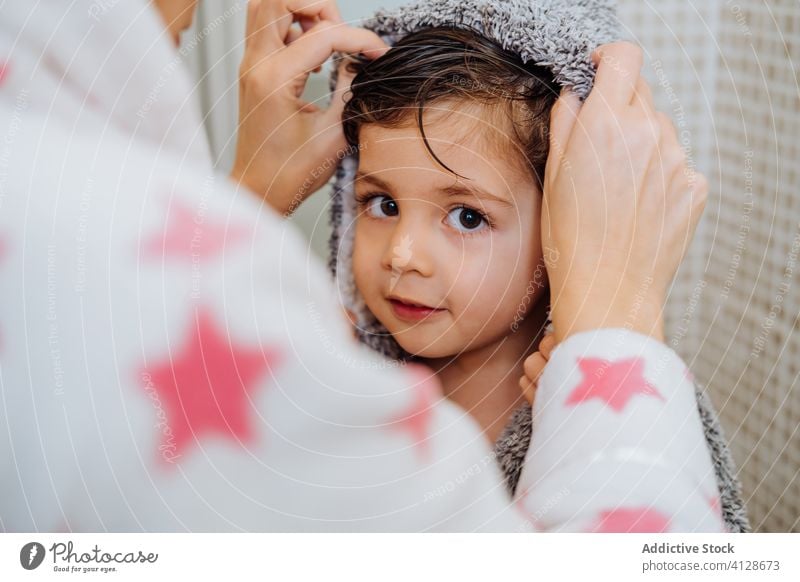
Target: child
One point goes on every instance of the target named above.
(447, 252)
(447, 267)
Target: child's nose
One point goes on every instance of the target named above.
(410, 248)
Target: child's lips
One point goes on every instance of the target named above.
(410, 311)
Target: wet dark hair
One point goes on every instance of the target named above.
(438, 64)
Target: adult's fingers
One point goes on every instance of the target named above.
(314, 47)
(333, 115)
(307, 13)
(315, 9)
(563, 116)
(642, 95)
(618, 68)
(253, 7)
(272, 25)
(671, 153)
(270, 21)
(329, 136)
(306, 24)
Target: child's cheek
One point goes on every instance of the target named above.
(366, 261)
(492, 281)
(476, 281)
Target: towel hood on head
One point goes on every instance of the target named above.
(554, 33)
(559, 35)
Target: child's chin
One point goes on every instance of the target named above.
(425, 349)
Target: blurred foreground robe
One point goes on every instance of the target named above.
(173, 358)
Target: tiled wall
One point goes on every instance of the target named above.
(732, 67)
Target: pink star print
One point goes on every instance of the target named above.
(205, 388)
(3, 71)
(615, 383)
(190, 234)
(417, 418)
(716, 508)
(632, 520)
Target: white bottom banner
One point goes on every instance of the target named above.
(400, 557)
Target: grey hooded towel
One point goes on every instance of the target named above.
(559, 35)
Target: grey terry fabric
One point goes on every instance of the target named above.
(560, 35)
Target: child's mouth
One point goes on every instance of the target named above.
(412, 312)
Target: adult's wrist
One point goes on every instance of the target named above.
(573, 313)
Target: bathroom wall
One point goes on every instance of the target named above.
(727, 72)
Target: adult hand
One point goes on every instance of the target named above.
(620, 203)
(287, 148)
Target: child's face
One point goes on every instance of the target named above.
(469, 248)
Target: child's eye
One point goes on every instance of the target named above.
(380, 205)
(467, 219)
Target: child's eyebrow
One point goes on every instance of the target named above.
(372, 179)
(462, 189)
(457, 189)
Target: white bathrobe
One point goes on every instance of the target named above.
(172, 357)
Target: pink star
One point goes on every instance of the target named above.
(192, 235)
(3, 71)
(716, 508)
(205, 389)
(417, 418)
(631, 520)
(613, 382)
